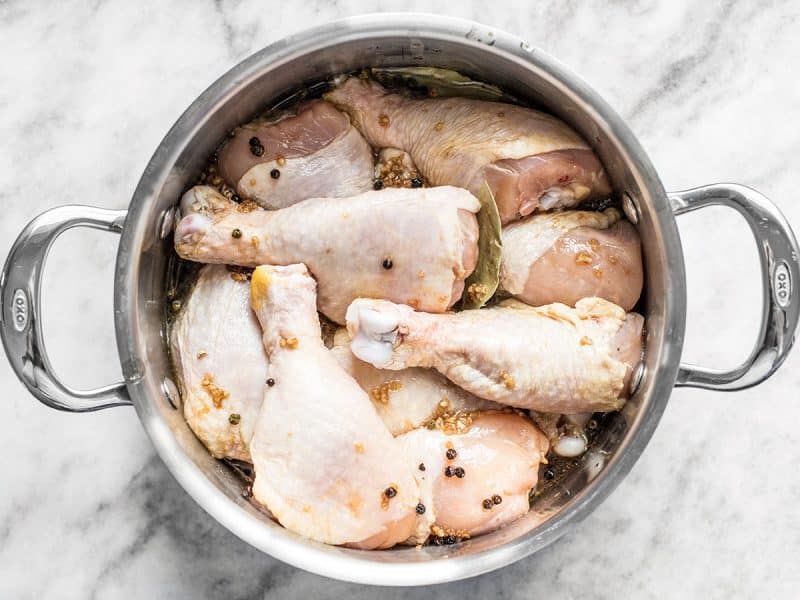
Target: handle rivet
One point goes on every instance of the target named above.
(171, 393)
(629, 208)
(636, 378)
(167, 222)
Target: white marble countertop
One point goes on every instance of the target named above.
(87, 90)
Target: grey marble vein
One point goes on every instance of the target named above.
(87, 90)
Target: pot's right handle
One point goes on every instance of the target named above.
(780, 280)
(20, 319)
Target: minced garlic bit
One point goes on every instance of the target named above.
(383, 120)
(380, 393)
(450, 423)
(446, 536)
(290, 343)
(583, 258)
(586, 341)
(397, 173)
(247, 205)
(477, 290)
(239, 276)
(508, 380)
(597, 272)
(421, 275)
(254, 241)
(359, 447)
(202, 354)
(218, 395)
(439, 125)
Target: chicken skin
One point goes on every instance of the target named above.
(315, 152)
(485, 485)
(410, 398)
(325, 465)
(420, 256)
(566, 256)
(552, 359)
(530, 159)
(220, 363)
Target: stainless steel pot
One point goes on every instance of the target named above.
(300, 60)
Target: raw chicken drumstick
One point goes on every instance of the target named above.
(220, 363)
(552, 359)
(325, 465)
(529, 159)
(414, 246)
(566, 256)
(476, 480)
(314, 152)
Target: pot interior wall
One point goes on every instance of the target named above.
(259, 82)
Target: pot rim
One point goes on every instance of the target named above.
(288, 547)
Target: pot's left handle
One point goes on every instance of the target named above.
(20, 319)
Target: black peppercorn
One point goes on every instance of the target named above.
(236, 198)
(549, 473)
(451, 453)
(270, 382)
(416, 182)
(234, 418)
(377, 184)
(256, 148)
(387, 263)
(487, 504)
(497, 499)
(275, 173)
(448, 472)
(214, 158)
(459, 472)
(420, 509)
(236, 233)
(390, 492)
(450, 540)
(421, 466)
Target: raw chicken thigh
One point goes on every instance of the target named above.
(315, 152)
(566, 256)
(552, 359)
(326, 466)
(220, 362)
(529, 159)
(414, 246)
(409, 398)
(485, 485)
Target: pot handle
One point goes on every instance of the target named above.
(780, 280)
(20, 324)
